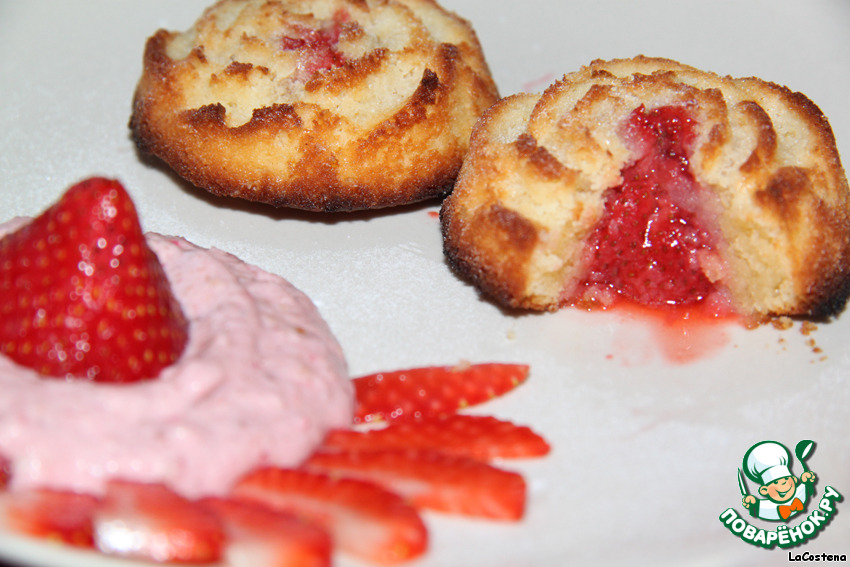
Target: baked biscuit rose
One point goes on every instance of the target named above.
(650, 180)
(323, 105)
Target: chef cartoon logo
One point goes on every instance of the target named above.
(780, 497)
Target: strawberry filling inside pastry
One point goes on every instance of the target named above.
(655, 244)
(317, 47)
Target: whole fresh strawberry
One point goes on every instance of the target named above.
(81, 294)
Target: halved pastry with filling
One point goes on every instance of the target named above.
(649, 181)
(324, 105)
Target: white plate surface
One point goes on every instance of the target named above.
(645, 451)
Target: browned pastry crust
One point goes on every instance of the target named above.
(531, 189)
(323, 105)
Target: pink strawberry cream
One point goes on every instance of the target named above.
(261, 381)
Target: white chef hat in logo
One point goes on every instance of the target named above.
(767, 461)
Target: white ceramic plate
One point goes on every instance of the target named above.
(646, 452)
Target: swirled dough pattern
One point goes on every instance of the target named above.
(323, 105)
(532, 189)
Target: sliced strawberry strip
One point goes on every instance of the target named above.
(650, 245)
(432, 391)
(51, 514)
(479, 437)
(434, 480)
(258, 536)
(82, 295)
(363, 519)
(151, 522)
(5, 472)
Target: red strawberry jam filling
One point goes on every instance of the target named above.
(654, 242)
(317, 46)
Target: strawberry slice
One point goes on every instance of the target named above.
(5, 472)
(432, 391)
(258, 536)
(478, 437)
(433, 480)
(149, 521)
(82, 295)
(363, 519)
(56, 515)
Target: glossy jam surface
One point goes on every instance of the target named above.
(651, 247)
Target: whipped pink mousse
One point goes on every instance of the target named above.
(261, 382)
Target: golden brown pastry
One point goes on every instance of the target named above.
(324, 105)
(650, 181)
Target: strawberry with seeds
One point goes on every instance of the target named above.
(654, 244)
(475, 436)
(149, 521)
(431, 479)
(363, 519)
(5, 472)
(258, 536)
(51, 514)
(432, 391)
(82, 295)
